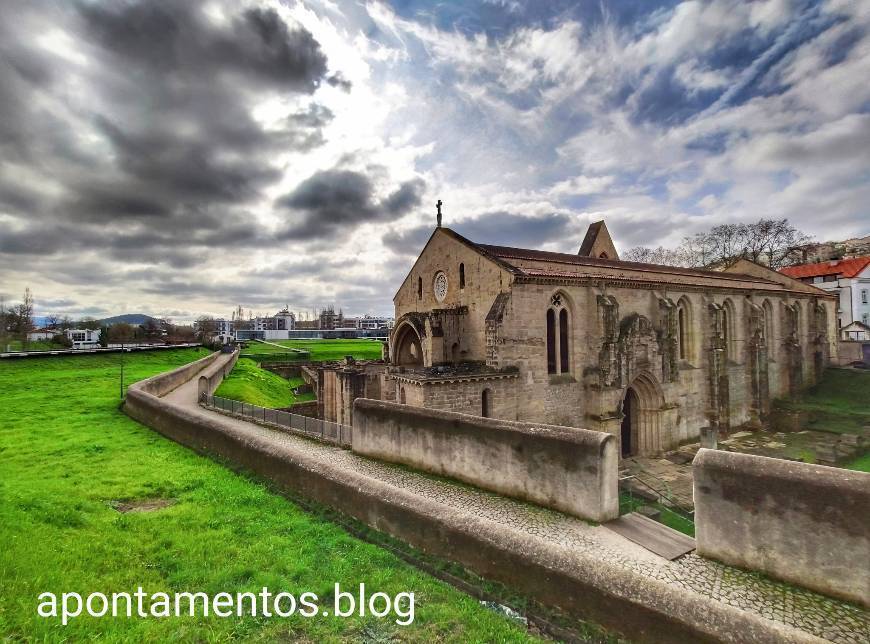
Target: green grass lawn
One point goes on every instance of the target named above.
(37, 345)
(862, 464)
(68, 455)
(319, 350)
(839, 403)
(248, 383)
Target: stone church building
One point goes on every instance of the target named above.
(648, 353)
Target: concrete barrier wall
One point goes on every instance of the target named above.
(568, 469)
(806, 524)
(213, 375)
(163, 383)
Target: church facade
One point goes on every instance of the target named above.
(648, 353)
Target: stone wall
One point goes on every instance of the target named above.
(484, 280)
(850, 351)
(806, 524)
(568, 469)
(213, 374)
(463, 395)
(162, 384)
(341, 384)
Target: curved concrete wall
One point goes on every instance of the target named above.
(213, 375)
(806, 524)
(163, 383)
(568, 469)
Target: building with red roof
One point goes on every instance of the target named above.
(849, 278)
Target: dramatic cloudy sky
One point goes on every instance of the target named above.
(179, 157)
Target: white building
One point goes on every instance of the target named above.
(83, 338)
(274, 327)
(42, 334)
(850, 278)
(369, 322)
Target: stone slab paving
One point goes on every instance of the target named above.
(811, 612)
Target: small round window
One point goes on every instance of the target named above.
(440, 286)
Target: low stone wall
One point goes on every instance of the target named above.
(806, 524)
(212, 376)
(568, 469)
(163, 383)
(851, 351)
(307, 408)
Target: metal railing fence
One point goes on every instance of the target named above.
(327, 431)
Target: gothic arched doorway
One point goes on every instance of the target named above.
(407, 349)
(642, 408)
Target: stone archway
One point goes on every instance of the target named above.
(407, 348)
(642, 409)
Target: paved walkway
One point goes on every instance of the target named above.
(808, 611)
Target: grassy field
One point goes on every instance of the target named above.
(69, 457)
(37, 345)
(861, 464)
(319, 350)
(250, 384)
(839, 403)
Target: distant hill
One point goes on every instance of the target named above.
(130, 318)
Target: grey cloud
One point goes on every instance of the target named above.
(164, 153)
(497, 228)
(175, 38)
(334, 202)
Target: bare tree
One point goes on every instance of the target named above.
(771, 242)
(660, 255)
(205, 327)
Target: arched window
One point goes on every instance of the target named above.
(563, 341)
(486, 403)
(419, 288)
(402, 398)
(558, 336)
(462, 276)
(685, 336)
(681, 333)
(551, 341)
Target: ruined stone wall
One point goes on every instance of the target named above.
(618, 333)
(464, 395)
(341, 385)
(484, 280)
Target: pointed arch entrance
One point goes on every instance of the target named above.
(642, 410)
(407, 348)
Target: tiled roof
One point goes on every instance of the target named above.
(841, 267)
(507, 254)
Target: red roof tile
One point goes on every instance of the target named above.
(841, 267)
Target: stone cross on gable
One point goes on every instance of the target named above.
(438, 205)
